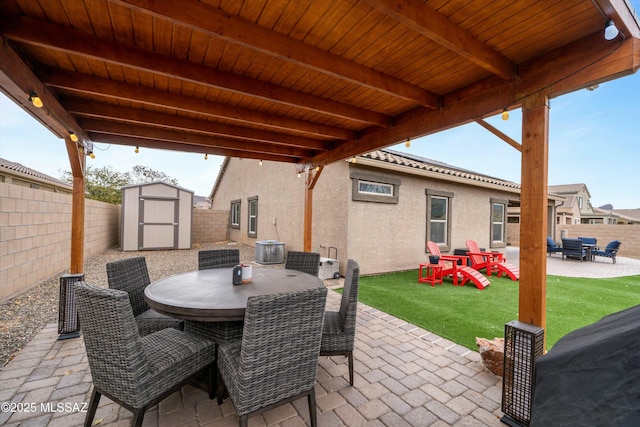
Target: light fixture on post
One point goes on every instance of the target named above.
(505, 114)
(35, 99)
(137, 150)
(73, 136)
(610, 30)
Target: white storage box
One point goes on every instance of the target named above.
(329, 268)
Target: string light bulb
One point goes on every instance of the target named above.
(260, 163)
(408, 143)
(93, 156)
(317, 168)
(299, 175)
(206, 156)
(505, 114)
(353, 159)
(137, 150)
(73, 136)
(35, 99)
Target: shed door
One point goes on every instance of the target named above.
(158, 223)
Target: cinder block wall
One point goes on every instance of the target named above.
(35, 234)
(209, 226)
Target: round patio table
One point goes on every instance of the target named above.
(209, 295)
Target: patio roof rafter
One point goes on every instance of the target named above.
(84, 84)
(117, 114)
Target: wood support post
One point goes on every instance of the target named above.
(534, 210)
(311, 177)
(77, 161)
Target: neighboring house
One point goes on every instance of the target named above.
(380, 210)
(576, 208)
(605, 215)
(17, 174)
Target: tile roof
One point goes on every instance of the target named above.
(566, 188)
(417, 162)
(21, 169)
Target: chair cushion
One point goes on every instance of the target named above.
(172, 357)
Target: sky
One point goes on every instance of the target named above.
(594, 138)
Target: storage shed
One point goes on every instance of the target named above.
(156, 216)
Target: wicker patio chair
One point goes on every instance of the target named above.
(218, 258)
(131, 275)
(339, 331)
(307, 262)
(135, 372)
(277, 359)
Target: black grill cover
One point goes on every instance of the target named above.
(591, 377)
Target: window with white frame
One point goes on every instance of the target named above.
(235, 213)
(252, 227)
(498, 222)
(439, 218)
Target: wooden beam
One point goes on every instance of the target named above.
(213, 21)
(579, 64)
(188, 148)
(77, 161)
(422, 18)
(555, 73)
(497, 132)
(533, 210)
(17, 80)
(205, 142)
(311, 178)
(52, 36)
(83, 83)
(135, 116)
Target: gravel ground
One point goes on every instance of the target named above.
(22, 317)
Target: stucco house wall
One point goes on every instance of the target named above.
(383, 237)
(391, 237)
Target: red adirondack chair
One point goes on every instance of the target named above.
(456, 271)
(491, 261)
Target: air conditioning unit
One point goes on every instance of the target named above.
(523, 344)
(269, 252)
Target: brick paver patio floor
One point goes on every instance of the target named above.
(405, 376)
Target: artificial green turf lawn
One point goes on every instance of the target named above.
(461, 314)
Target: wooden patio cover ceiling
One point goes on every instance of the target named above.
(307, 82)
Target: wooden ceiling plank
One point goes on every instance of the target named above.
(216, 22)
(29, 31)
(137, 116)
(432, 24)
(185, 147)
(124, 91)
